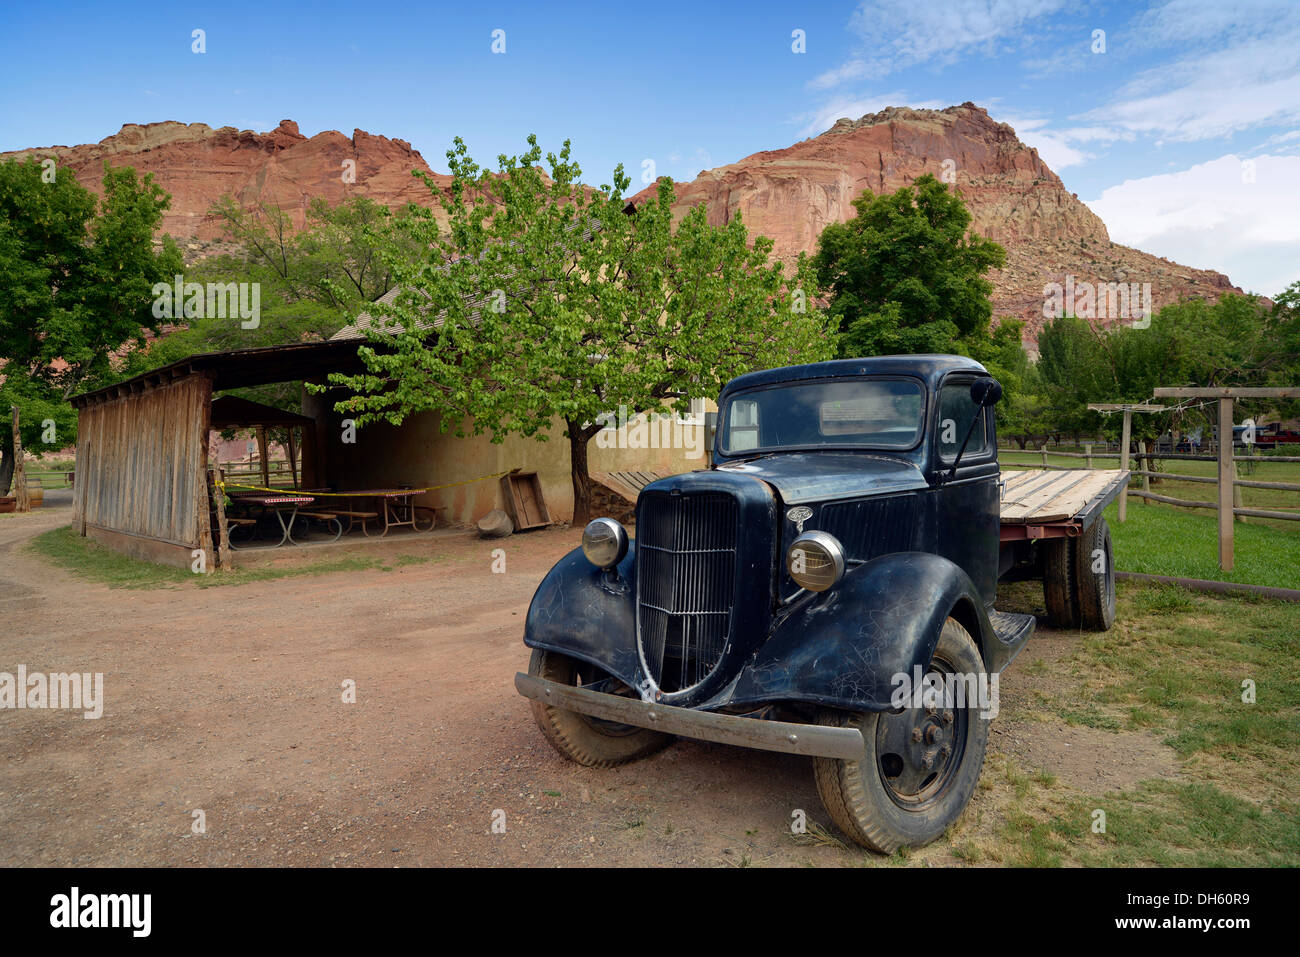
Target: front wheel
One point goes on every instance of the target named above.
(590, 741)
(921, 764)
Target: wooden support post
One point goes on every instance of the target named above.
(1126, 432)
(219, 502)
(261, 452)
(1087, 455)
(21, 503)
(1225, 484)
(1043, 449)
(1145, 462)
(292, 446)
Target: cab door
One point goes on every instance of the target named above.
(966, 506)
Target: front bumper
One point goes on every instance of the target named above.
(808, 739)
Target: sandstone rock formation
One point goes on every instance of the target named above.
(197, 164)
(788, 194)
(1014, 198)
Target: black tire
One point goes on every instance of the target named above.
(1059, 590)
(586, 740)
(867, 799)
(1094, 586)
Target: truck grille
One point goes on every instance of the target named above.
(872, 527)
(686, 583)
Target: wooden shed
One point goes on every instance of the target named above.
(142, 485)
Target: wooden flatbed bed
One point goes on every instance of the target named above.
(1042, 503)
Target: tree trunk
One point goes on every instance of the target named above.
(21, 502)
(578, 440)
(6, 462)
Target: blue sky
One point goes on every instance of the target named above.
(1184, 134)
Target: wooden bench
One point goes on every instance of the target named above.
(432, 519)
(327, 518)
(233, 523)
(353, 516)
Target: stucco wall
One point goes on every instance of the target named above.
(418, 453)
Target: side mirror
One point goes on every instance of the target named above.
(986, 392)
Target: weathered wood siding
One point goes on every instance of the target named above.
(141, 470)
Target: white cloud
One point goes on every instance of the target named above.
(1060, 148)
(1052, 146)
(1190, 21)
(1237, 66)
(1208, 216)
(895, 34)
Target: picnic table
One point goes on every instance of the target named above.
(279, 504)
(395, 505)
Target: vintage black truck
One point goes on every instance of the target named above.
(826, 587)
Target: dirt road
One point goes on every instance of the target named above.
(229, 701)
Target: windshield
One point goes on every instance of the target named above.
(879, 413)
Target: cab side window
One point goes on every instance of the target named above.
(956, 409)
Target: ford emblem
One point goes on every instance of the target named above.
(799, 514)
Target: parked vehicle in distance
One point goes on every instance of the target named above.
(836, 563)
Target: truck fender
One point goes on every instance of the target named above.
(588, 613)
(842, 648)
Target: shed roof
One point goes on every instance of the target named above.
(232, 411)
(239, 368)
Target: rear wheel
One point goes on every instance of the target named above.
(920, 766)
(591, 741)
(1094, 577)
(1059, 590)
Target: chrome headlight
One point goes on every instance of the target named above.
(604, 542)
(815, 560)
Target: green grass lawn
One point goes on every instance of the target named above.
(90, 560)
(52, 472)
(1166, 540)
(1173, 668)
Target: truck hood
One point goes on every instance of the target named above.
(820, 476)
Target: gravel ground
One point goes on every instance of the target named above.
(229, 701)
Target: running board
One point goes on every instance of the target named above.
(1012, 631)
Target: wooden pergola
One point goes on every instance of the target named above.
(1128, 409)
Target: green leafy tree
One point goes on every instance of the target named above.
(309, 280)
(1002, 352)
(76, 279)
(1233, 341)
(905, 276)
(542, 299)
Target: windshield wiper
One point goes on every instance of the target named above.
(752, 458)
